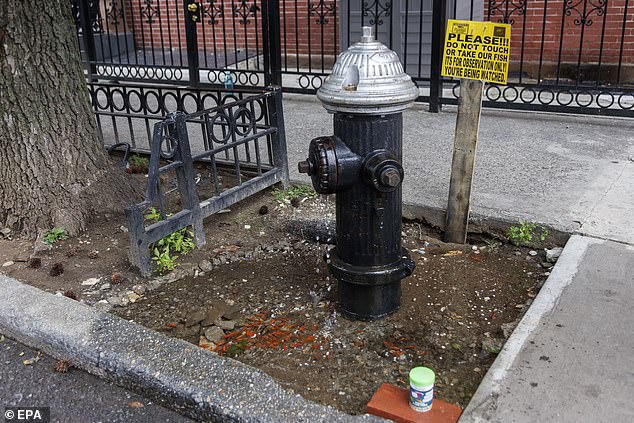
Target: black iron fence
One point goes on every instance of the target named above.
(566, 55)
(212, 150)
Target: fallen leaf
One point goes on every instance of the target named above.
(135, 404)
(452, 253)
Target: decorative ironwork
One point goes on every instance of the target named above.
(244, 11)
(583, 17)
(507, 9)
(377, 11)
(562, 98)
(149, 11)
(238, 77)
(114, 12)
(322, 10)
(213, 11)
(96, 21)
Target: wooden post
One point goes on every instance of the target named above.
(464, 152)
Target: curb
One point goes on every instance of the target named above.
(193, 381)
(484, 401)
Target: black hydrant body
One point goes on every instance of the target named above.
(361, 163)
(368, 260)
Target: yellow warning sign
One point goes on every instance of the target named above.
(477, 50)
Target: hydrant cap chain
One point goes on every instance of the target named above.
(368, 78)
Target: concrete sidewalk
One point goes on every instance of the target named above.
(571, 358)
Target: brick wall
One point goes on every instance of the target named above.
(301, 31)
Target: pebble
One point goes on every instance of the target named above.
(212, 314)
(8, 263)
(532, 253)
(195, 318)
(214, 334)
(116, 300)
(139, 289)
(105, 286)
(205, 266)
(553, 254)
(133, 297)
(91, 281)
(508, 328)
(225, 324)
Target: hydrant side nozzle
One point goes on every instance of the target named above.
(383, 171)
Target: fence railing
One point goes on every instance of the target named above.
(209, 159)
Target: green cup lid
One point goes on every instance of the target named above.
(422, 376)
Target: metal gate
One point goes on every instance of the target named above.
(574, 56)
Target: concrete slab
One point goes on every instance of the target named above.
(546, 168)
(611, 216)
(571, 359)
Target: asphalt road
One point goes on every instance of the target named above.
(75, 396)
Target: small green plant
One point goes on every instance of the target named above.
(526, 232)
(138, 160)
(493, 245)
(493, 350)
(237, 348)
(181, 242)
(54, 235)
(138, 164)
(293, 193)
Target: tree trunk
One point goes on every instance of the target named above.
(52, 161)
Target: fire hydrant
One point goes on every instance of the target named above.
(367, 92)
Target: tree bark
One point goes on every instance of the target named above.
(53, 167)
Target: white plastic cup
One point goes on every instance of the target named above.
(421, 388)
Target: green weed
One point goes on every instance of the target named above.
(493, 245)
(293, 193)
(181, 242)
(526, 232)
(138, 160)
(54, 235)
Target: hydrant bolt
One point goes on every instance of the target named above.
(390, 177)
(304, 167)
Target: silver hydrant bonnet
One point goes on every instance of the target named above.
(368, 78)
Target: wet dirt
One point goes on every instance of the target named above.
(260, 292)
